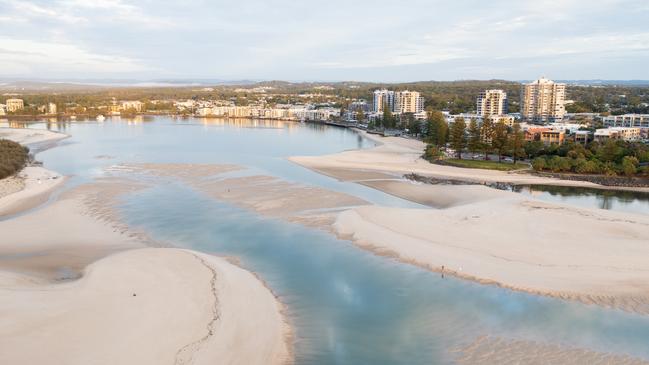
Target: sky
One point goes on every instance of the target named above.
(318, 40)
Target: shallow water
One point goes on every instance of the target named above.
(617, 200)
(347, 306)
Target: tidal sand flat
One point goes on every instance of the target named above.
(78, 286)
(493, 236)
(310, 205)
(145, 306)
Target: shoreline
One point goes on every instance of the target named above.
(542, 252)
(54, 280)
(38, 183)
(402, 156)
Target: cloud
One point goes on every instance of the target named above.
(270, 39)
(19, 57)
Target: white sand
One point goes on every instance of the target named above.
(28, 136)
(493, 350)
(187, 308)
(593, 256)
(33, 185)
(400, 156)
(491, 236)
(37, 185)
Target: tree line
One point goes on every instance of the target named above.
(484, 138)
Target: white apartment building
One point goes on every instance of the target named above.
(629, 134)
(137, 105)
(51, 108)
(627, 120)
(383, 98)
(492, 102)
(543, 101)
(3, 109)
(408, 102)
(297, 112)
(14, 105)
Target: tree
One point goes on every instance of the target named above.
(388, 118)
(360, 116)
(458, 136)
(437, 129)
(474, 142)
(414, 126)
(630, 165)
(487, 135)
(517, 143)
(499, 139)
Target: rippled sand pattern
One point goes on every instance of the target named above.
(494, 350)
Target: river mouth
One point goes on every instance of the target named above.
(347, 306)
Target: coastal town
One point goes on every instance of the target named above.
(316, 183)
(494, 127)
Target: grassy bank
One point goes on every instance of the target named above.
(486, 165)
(13, 157)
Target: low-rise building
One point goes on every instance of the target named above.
(534, 133)
(3, 109)
(13, 105)
(624, 133)
(136, 105)
(627, 120)
(583, 137)
(553, 137)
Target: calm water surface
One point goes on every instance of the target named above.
(346, 305)
(623, 201)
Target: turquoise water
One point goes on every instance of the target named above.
(347, 306)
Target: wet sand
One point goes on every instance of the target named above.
(79, 286)
(491, 236)
(493, 350)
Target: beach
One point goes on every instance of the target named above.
(397, 156)
(491, 236)
(78, 286)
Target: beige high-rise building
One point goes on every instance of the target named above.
(492, 102)
(408, 102)
(14, 105)
(543, 101)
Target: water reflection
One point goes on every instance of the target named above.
(619, 200)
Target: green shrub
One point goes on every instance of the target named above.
(13, 157)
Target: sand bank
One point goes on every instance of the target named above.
(593, 256)
(494, 350)
(309, 205)
(400, 156)
(146, 306)
(36, 185)
(68, 275)
(29, 137)
(33, 185)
